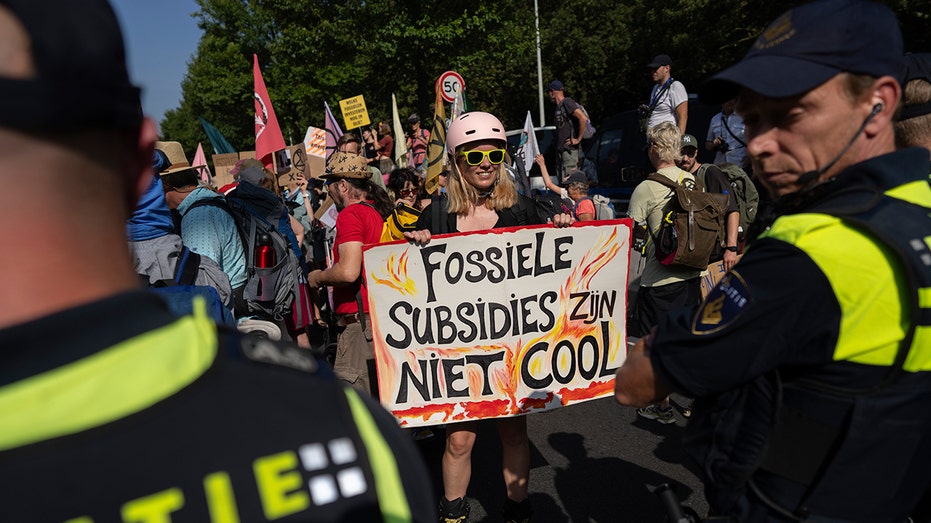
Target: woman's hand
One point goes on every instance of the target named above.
(418, 237)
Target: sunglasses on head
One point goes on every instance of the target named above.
(476, 157)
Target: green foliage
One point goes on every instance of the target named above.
(312, 52)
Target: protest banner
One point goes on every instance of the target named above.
(315, 147)
(355, 115)
(498, 323)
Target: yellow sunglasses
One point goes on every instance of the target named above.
(476, 157)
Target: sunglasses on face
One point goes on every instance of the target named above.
(408, 192)
(476, 157)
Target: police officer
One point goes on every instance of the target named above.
(810, 359)
(112, 408)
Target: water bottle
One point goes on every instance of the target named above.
(264, 252)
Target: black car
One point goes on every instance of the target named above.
(618, 150)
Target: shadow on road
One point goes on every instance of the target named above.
(605, 489)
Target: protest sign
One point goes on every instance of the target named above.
(222, 165)
(711, 277)
(291, 164)
(315, 147)
(355, 114)
(498, 323)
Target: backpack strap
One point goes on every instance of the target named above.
(724, 123)
(568, 116)
(187, 267)
(439, 207)
(659, 94)
(662, 180)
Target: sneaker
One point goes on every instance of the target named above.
(515, 512)
(684, 406)
(456, 511)
(687, 411)
(654, 412)
(261, 328)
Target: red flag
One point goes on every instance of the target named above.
(268, 138)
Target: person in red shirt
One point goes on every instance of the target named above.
(363, 207)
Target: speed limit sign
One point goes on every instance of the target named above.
(449, 84)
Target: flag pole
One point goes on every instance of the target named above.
(536, 14)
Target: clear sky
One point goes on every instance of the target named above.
(161, 37)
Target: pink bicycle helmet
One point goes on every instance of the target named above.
(473, 127)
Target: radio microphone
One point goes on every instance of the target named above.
(810, 176)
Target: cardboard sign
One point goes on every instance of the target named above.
(710, 278)
(222, 164)
(290, 164)
(355, 114)
(498, 323)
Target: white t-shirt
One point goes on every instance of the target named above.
(665, 108)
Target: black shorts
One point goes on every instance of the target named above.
(655, 302)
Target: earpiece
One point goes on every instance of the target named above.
(878, 107)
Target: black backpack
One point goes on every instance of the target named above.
(274, 269)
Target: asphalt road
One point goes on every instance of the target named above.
(595, 461)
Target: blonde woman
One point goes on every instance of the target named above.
(480, 196)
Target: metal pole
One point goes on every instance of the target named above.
(536, 14)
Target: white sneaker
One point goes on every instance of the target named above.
(264, 328)
(655, 413)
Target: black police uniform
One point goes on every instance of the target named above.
(809, 406)
(117, 411)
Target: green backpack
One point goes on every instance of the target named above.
(748, 198)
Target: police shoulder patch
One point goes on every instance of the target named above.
(723, 305)
(267, 351)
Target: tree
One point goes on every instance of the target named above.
(319, 51)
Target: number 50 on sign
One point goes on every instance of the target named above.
(449, 84)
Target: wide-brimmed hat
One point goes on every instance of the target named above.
(177, 161)
(809, 45)
(347, 165)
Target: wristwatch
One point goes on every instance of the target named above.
(732, 248)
